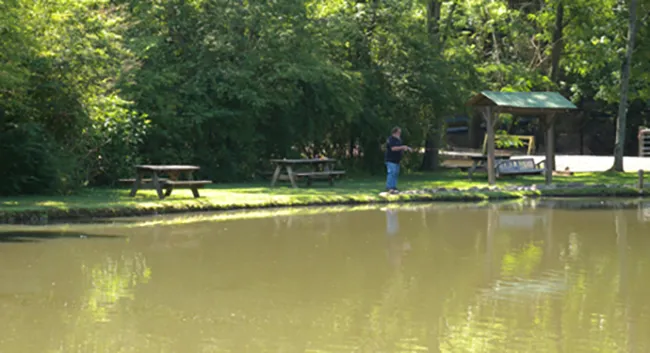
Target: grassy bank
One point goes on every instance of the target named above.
(106, 202)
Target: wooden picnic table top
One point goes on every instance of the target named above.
(484, 157)
(166, 168)
(476, 155)
(303, 161)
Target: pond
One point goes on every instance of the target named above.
(564, 276)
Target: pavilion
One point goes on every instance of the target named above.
(543, 105)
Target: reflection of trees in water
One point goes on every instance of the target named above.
(568, 295)
(320, 223)
(643, 213)
(104, 322)
(566, 303)
(553, 287)
(558, 291)
(364, 312)
(387, 318)
(114, 280)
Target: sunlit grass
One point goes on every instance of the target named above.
(60, 204)
(116, 202)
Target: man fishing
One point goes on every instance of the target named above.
(392, 158)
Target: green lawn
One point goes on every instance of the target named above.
(109, 202)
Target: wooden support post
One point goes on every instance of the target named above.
(155, 181)
(292, 178)
(640, 184)
(488, 115)
(136, 183)
(276, 174)
(550, 148)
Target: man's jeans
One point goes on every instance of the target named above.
(392, 174)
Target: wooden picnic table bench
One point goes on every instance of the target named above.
(173, 181)
(321, 169)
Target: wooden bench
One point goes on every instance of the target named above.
(326, 175)
(187, 183)
(169, 185)
(523, 166)
(143, 181)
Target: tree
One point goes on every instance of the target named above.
(621, 120)
(90, 87)
(432, 144)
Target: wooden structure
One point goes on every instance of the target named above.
(544, 105)
(460, 157)
(644, 142)
(173, 181)
(457, 158)
(321, 169)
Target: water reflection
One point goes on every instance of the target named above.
(106, 307)
(32, 236)
(418, 279)
(398, 245)
(644, 212)
(112, 280)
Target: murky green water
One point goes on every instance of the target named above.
(424, 279)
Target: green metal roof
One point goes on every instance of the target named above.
(522, 100)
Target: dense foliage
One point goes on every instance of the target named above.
(90, 87)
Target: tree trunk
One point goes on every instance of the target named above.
(476, 134)
(433, 21)
(558, 43)
(621, 121)
(556, 55)
(431, 156)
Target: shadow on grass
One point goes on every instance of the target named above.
(37, 236)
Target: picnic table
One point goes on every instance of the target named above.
(172, 180)
(479, 160)
(321, 169)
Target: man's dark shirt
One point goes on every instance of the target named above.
(393, 156)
